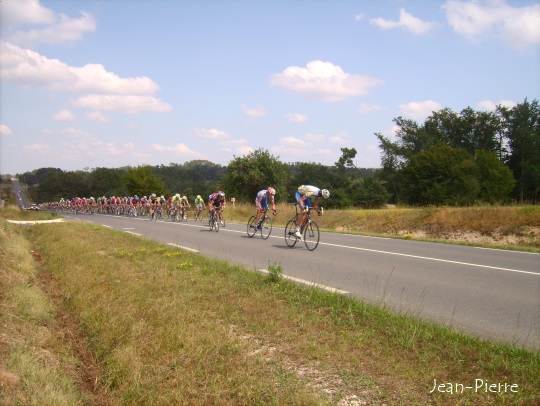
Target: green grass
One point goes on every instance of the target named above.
(172, 327)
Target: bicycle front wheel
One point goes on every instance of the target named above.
(251, 227)
(266, 228)
(311, 235)
(290, 229)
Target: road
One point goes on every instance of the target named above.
(493, 294)
(22, 199)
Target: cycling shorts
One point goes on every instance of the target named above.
(305, 203)
(264, 203)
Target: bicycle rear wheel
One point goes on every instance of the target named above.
(251, 227)
(266, 228)
(290, 229)
(311, 235)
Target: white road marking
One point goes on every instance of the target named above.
(380, 251)
(431, 259)
(182, 247)
(131, 232)
(310, 284)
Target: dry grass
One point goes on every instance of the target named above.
(35, 363)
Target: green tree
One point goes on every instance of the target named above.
(61, 184)
(141, 181)
(248, 174)
(522, 132)
(496, 179)
(107, 182)
(441, 175)
(346, 159)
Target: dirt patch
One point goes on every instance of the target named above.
(87, 375)
(331, 384)
(527, 236)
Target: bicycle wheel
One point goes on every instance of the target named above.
(211, 222)
(251, 227)
(290, 229)
(266, 228)
(311, 235)
(216, 224)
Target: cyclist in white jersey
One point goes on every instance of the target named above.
(261, 202)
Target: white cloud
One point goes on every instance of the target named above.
(517, 27)
(419, 110)
(29, 68)
(63, 30)
(292, 142)
(323, 81)
(366, 108)
(491, 106)
(297, 118)
(243, 150)
(254, 112)
(315, 137)
(131, 104)
(179, 148)
(64, 115)
(5, 130)
(25, 12)
(406, 21)
(211, 133)
(359, 17)
(97, 116)
(39, 147)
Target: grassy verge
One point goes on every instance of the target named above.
(172, 327)
(36, 365)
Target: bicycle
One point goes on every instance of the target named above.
(213, 221)
(198, 213)
(264, 225)
(310, 231)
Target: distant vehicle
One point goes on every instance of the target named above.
(33, 207)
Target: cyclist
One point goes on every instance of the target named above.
(216, 201)
(261, 203)
(303, 198)
(153, 203)
(199, 205)
(183, 203)
(176, 201)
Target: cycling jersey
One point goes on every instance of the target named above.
(262, 198)
(199, 202)
(308, 191)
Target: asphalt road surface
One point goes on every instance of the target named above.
(489, 293)
(22, 199)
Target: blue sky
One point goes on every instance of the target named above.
(88, 84)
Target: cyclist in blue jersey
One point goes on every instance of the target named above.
(304, 194)
(261, 202)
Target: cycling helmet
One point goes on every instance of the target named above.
(184, 197)
(198, 196)
(153, 195)
(221, 193)
(325, 193)
(177, 195)
(271, 191)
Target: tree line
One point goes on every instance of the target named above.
(451, 159)
(464, 158)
